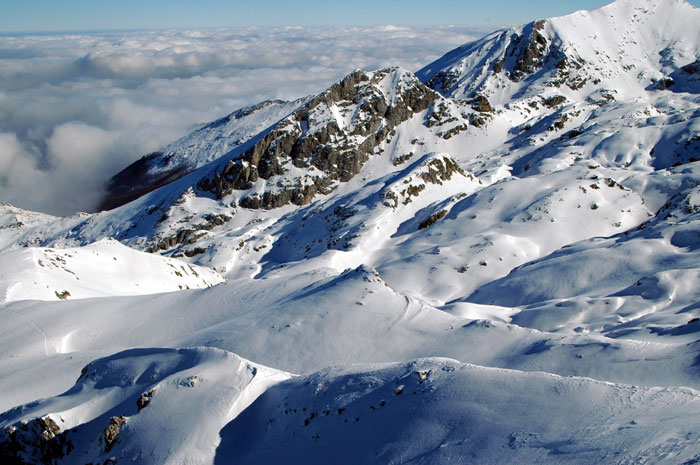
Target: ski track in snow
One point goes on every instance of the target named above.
(41, 331)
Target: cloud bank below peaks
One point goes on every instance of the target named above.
(77, 108)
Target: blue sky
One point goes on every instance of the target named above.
(82, 15)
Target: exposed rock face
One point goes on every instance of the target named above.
(481, 104)
(510, 55)
(531, 50)
(445, 80)
(330, 139)
(193, 151)
(432, 219)
(111, 433)
(189, 235)
(435, 169)
(525, 53)
(145, 398)
(554, 101)
(37, 441)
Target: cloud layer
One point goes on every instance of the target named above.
(76, 109)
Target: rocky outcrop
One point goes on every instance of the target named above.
(432, 219)
(330, 139)
(553, 101)
(515, 54)
(531, 50)
(188, 235)
(32, 442)
(111, 433)
(664, 83)
(194, 150)
(145, 399)
(435, 169)
(481, 104)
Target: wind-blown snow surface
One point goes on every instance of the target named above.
(442, 411)
(101, 269)
(529, 207)
(187, 395)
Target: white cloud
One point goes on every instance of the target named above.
(21, 180)
(79, 145)
(75, 109)
(10, 150)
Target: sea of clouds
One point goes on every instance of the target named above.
(75, 109)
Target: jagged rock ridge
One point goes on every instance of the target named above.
(330, 138)
(193, 151)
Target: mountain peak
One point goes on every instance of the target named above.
(628, 43)
(329, 139)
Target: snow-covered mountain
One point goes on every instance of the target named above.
(527, 205)
(101, 269)
(194, 151)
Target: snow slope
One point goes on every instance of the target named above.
(528, 203)
(194, 150)
(627, 46)
(440, 411)
(101, 269)
(212, 406)
(316, 319)
(122, 404)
